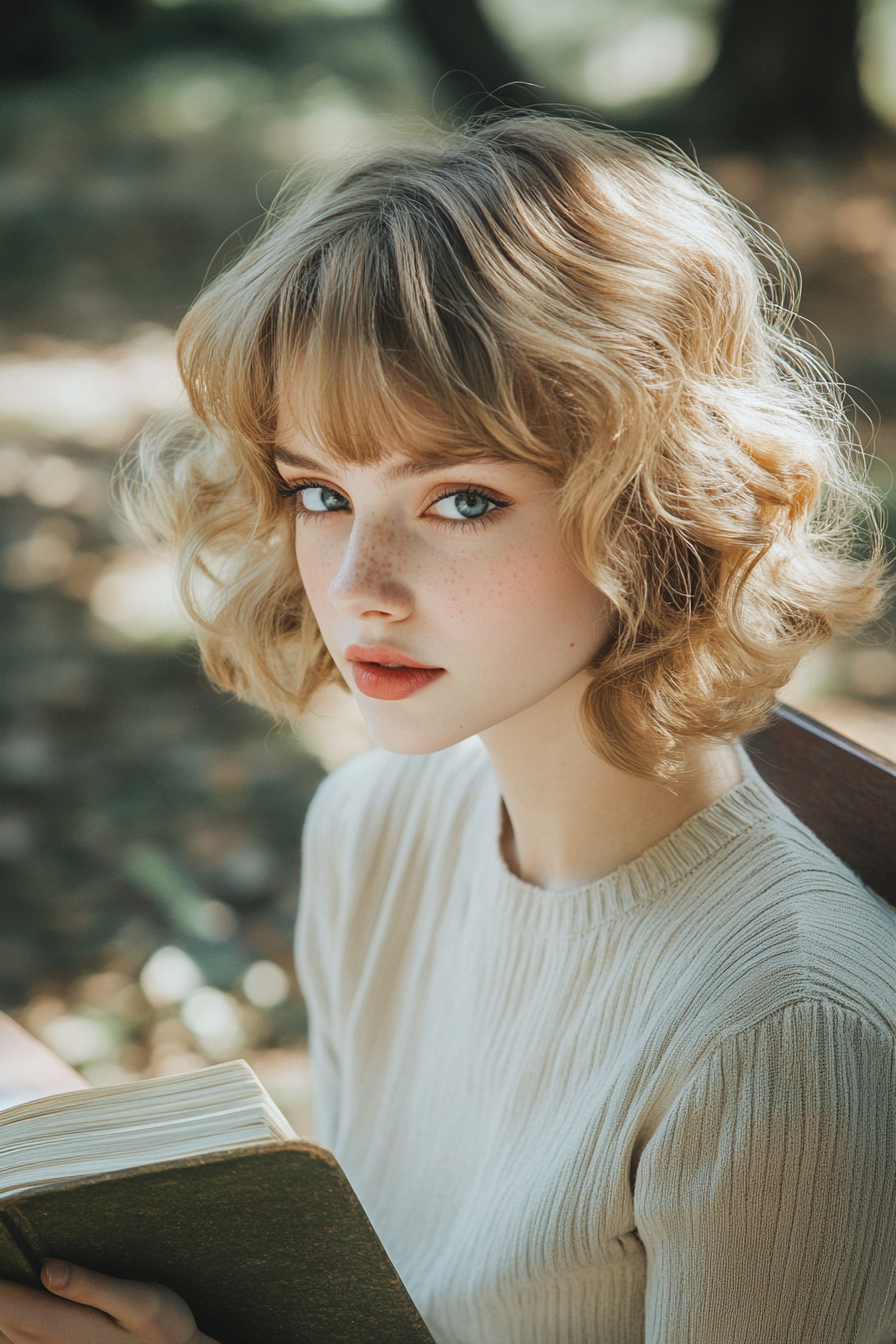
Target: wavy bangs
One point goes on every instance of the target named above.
(559, 295)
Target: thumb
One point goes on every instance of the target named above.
(147, 1311)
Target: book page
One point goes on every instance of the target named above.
(99, 1130)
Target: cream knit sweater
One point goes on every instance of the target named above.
(661, 1107)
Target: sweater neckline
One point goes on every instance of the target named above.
(655, 870)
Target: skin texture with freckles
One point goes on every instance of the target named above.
(496, 602)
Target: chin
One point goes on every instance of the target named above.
(411, 739)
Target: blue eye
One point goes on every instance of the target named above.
(464, 505)
(321, 499)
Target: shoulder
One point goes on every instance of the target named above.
(793, 923)
(782, 987)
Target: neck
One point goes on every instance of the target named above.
(571, 817)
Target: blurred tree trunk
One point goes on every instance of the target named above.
(34, 33)
(786, 74)
(477, 71)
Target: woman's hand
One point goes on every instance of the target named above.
(96, 1310)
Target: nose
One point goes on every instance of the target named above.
(369, 581)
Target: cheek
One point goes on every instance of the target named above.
(318, 565)
(530, 606)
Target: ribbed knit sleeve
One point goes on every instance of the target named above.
(766, 1200)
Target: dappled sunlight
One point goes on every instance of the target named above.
(65, 411)
(134, 594)
(150, 827)
(184, 1023)
(655, 57)
(98, 397)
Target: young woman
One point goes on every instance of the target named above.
(603, 1037)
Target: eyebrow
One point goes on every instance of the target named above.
(401, 472)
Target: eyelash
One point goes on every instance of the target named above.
(294, 492)
(470, 524)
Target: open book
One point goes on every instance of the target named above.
(197, 1181)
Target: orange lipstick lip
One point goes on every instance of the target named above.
(387, 674)
(380, 653)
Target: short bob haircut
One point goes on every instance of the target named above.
(548, 292)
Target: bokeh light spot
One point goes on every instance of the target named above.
(266, 984)
(169, 976)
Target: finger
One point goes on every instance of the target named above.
(149, 1312)
(31, 1316)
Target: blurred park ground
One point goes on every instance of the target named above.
(149, 827)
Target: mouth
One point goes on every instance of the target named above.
(387, 674)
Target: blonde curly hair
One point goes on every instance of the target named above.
(557, 294)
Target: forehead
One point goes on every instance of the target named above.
(302, 455)
(415, 436)
(364, 412)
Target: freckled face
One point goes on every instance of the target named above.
(445, 597)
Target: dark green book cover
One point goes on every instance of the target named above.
(267, 1245)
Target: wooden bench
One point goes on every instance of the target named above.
(845, 793)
